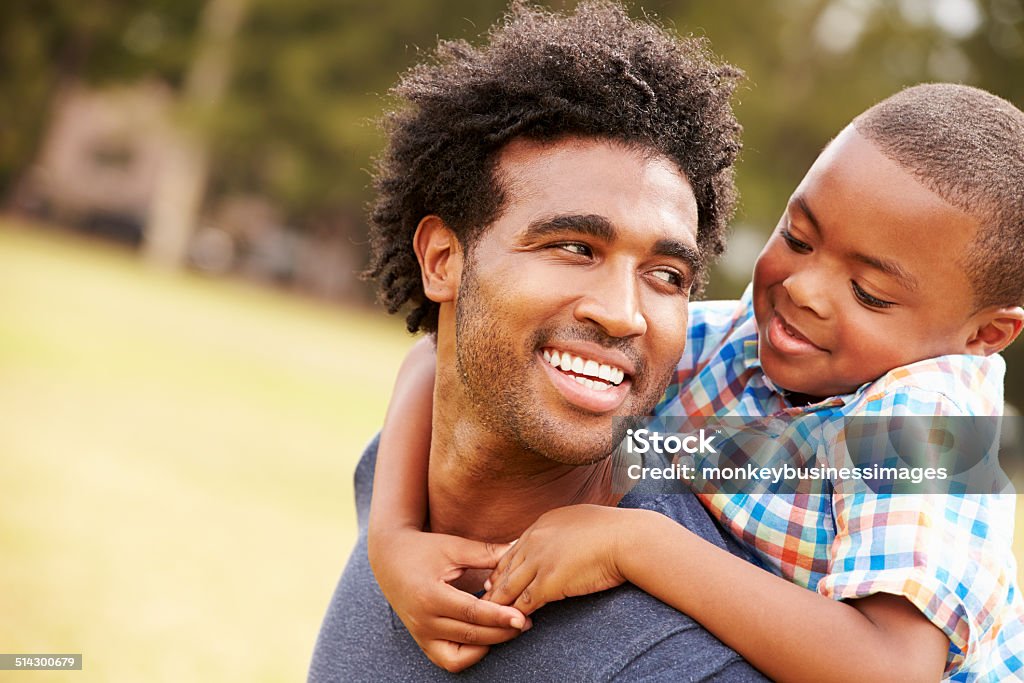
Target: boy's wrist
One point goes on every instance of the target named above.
(383, 528)
(634, 540)
(380, 538)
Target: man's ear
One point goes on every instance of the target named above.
(996, 329)
(440, 257)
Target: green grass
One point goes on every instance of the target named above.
(176, 458)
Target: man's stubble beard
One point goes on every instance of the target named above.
(493, 374)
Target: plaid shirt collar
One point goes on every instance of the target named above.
(751, 361)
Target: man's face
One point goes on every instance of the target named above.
(862, 275)
(572, 305)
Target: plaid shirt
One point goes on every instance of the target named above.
(949, 554)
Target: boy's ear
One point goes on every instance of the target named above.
(440, 256)
(997, 328)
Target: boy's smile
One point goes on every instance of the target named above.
(787, 338)
(862, 275)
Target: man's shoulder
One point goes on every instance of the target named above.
(363, 481)
(675, 500)
(620, 634)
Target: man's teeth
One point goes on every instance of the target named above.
(604, 376)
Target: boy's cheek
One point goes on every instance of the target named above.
(766, 268)
(774, 261)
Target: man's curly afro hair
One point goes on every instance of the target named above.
(543, 76)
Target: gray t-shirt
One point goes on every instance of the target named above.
(621, 634)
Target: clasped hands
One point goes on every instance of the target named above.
(568, 551)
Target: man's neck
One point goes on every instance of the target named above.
(484, 488)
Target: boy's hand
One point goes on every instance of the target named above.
(568, 551)
(415, 570)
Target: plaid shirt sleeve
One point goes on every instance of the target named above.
(948, 554)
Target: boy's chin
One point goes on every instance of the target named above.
(809, 392)
(797, 382)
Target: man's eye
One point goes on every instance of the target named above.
(670, 276)
(576, 248)
(869, 300)
(795, 244)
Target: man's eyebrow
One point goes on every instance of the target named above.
(680, 250)
(889, 268)
(589, 224)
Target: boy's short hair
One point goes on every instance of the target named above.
(543, 76)
(967, 146)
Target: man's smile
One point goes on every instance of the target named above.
(594, 379)
(586, 371)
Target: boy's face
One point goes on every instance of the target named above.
(862, 275)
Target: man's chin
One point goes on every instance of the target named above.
(577, 457)
(585, 446)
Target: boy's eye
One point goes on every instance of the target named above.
(868, 300)
(795, 244)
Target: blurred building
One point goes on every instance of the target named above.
(99, 159)
(97, 172)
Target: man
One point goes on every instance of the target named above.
(559, 191)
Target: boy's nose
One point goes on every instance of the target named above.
(807, 292)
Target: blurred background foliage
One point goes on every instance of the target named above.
(304, 81)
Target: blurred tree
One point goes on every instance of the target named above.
(298, 124)
(183, 174)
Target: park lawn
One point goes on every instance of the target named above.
(176, 458)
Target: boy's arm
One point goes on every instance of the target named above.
(414, 568)
(400, 479)
(786, 631)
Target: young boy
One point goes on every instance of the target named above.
(890, 284)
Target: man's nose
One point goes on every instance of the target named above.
(807, 289)
(612, 302)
